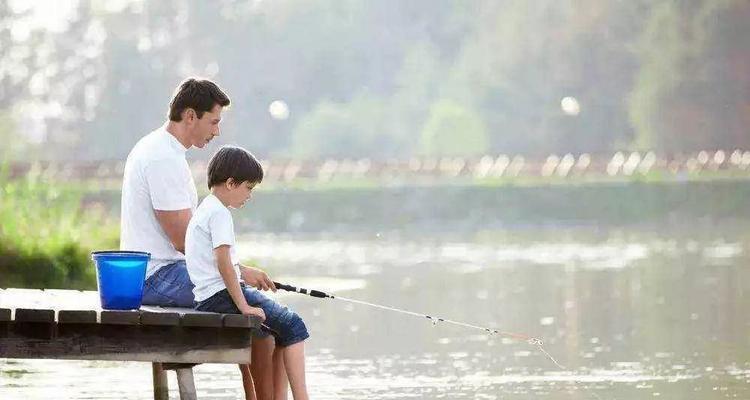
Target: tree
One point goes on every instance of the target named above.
(689, 94)
(354, 129)
(453, 130)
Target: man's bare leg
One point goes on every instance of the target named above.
(261, 367)
(247, 382)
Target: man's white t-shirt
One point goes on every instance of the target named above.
(157, 177)
(210, 227)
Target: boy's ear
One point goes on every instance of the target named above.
(230, 183)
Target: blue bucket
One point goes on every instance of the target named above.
(120, 275)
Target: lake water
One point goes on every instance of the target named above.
(629, 314)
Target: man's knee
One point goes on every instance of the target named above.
(263, 345)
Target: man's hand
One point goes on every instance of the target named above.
(257, 278)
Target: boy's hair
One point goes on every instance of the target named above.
(199, 94)
(236, 163)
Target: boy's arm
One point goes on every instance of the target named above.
(224, 263)
(256, 278)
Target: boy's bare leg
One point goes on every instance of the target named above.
(280, 380)
(261, 367)
(247, 382)
(294, 361)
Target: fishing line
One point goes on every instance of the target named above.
(435, 320)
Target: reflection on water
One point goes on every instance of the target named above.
(630, 317)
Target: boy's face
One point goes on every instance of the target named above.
(240, 193)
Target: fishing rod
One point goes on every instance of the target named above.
(518, 336)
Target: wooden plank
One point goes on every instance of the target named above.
(35, 315)
(5, 314)
(190, 317)
(241, 321)
(48, 299)
(160, 318)
(77, 317)
(22, 298)
(34, 323)
(129, 343)
(178, 310)
(219, 356)
(63, 299)
(75, 306)
(207, 320)
(4, 322)
(125, 317)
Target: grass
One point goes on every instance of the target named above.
(47, 233)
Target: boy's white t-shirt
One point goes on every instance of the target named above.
(210, 227)
(157, 177)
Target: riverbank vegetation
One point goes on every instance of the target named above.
(47, 233)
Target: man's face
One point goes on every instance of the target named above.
(204, 129)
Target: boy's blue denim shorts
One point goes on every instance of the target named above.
(288, 327)
(169, 286)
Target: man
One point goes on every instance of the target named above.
(159, 197)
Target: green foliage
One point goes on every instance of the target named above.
(46, 235)
(453, 130)
(666, 55)
(688, 93)
(409, 105)
(354, 129)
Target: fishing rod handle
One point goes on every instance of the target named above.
(290, 288)
(282, 286)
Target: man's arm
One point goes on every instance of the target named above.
(175, 225)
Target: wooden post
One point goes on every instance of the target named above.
(161, 386)
(186, 384)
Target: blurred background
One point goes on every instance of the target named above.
(576, 170)
(85, 79)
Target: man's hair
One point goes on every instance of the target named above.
(199, 94)
(236, 163)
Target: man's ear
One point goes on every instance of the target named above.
(231, 183)
(189, 115)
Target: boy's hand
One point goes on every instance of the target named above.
(254, 311)
(257, 278)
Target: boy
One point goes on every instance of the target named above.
(214, 268)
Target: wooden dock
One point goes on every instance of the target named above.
(70, 324)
